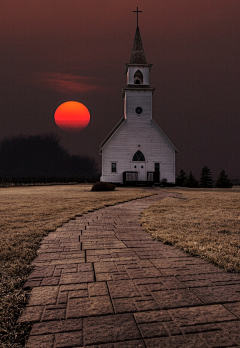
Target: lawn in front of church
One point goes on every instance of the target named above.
(203, 222)
(27, 214)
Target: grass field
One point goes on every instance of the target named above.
(204, 222)
(26, 215)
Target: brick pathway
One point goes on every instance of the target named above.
(100, 281)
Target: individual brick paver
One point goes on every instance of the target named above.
(100, 282)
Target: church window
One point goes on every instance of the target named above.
(138, 156)
(138, 78)
(138, 110)
(156, 167)
(114, 167)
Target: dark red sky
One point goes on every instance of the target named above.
(53, 51)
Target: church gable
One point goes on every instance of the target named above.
(132, 143)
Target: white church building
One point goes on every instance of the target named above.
(137, 150)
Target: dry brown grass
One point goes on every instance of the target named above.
(26, 215)
(203, 222)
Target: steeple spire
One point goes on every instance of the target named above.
(137, 54)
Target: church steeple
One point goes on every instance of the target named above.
(138, 93)
(137, 54)
(137, 70)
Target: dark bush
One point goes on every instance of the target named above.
(103, 186)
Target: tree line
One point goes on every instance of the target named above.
(41, 159)
(206, 179)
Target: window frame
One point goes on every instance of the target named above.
(158, 167)
(112, 167)
(138, 157)
(138, 76)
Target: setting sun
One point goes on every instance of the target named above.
(72, 116)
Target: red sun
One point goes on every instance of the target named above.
(72, 116)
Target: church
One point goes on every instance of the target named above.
(137, 150)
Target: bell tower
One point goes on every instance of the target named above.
(137, 94)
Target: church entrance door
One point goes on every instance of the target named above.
(140, 167)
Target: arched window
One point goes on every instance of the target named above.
(138, 156)
(138, 78)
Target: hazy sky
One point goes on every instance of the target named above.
(53, 51)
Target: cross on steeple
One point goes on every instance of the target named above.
(137, 15)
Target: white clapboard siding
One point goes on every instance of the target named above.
(123, 144)
(133, 101)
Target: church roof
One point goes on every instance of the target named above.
(164, 135)
(137, 54)
(112, 133)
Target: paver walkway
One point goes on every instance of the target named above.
(100, 281)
